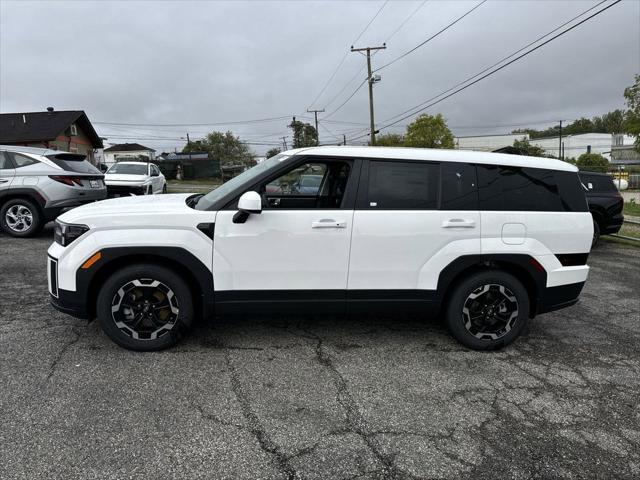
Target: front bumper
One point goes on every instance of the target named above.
(69, 303)
(116, 189)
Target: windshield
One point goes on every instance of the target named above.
(213, 196)
(128, 169)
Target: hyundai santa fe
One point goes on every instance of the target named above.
(37, 184)
(487, 240)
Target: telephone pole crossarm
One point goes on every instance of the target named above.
(371, 81)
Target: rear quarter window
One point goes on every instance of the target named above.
(529, 189)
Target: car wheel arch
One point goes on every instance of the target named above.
(197, 276)
(518, 265)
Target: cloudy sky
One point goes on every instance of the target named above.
(212, 64)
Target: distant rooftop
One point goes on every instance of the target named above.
(128, 147)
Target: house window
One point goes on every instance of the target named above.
(73, 130)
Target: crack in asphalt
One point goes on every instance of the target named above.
(58, 358)
(355, 420)
(255, 426)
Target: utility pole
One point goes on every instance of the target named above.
(371, 80)
(284, 142)
(344, 139)
(560, 156)
(315, 114)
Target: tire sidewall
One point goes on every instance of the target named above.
(596, 234)
(36, 226)
(454, 319)
(174, 281)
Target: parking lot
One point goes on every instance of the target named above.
(321, 397)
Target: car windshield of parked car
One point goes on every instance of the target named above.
(206, 201)
(128, 169)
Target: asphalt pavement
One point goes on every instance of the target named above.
(319, 397)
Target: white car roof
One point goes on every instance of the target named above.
(437, 155)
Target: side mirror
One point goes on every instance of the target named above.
(249, 202)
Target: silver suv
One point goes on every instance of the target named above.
(37, 184)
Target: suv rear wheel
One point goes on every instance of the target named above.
(21, 218)
(596, 234)
(487, 310)
(145, 307)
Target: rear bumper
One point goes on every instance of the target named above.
(556, 298)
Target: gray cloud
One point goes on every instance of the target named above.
(196, 62)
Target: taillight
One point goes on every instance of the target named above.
(572, 259)
(67, 180)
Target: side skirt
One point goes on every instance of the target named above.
(307, 302)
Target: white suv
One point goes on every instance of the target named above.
(490, 240)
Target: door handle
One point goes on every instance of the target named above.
(458, 223)
(328, 223)
(2, 180)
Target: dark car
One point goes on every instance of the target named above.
(605, 203)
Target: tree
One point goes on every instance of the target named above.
(526, 148)
(304, 135)
(390, 140)
(226, 147)
(632, 115)
(272, 152)
(429, 131)
(592, 161)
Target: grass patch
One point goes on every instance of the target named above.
(631, 208)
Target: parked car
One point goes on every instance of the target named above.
(490, 240)
(135, 178)
(37, 184)
(605, 204)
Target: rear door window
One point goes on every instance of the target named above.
(5, 161)
(572, 192)
(403, 185)
(459, 187)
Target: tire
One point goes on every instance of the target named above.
(21, 217)
(596, 234)
(149, 190)
(144, 285)
(164, 188)
(494, 328)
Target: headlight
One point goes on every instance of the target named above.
(65, 233)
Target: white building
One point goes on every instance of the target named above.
(128, 152)
(575, 145)
(572, 145)
(488, 143)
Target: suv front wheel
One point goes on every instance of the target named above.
(21, 218)
(145, 307)
(487, 310)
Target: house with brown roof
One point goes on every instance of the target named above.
(128, 152)
(67, 130)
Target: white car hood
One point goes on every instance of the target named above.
(130, 211)
(120, 177)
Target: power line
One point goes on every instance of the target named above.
(431, 37)
(348, 98)
(346, 54)
(403, 23)
(235, 122)
(361, 70)
(420, 107)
